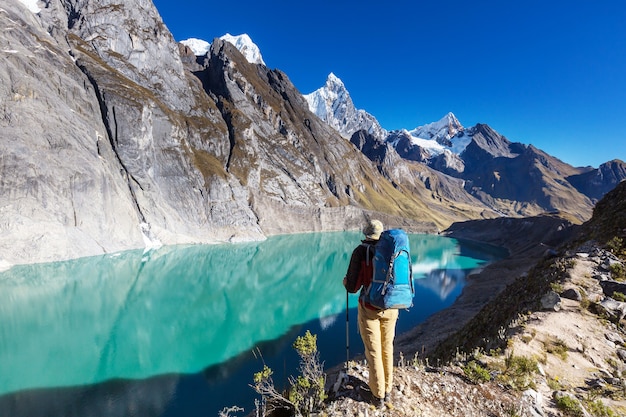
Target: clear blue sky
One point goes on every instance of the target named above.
(550, 73)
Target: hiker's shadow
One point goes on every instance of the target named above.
(343, 385)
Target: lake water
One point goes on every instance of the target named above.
(177, 331)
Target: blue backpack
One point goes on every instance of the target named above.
(392, 282)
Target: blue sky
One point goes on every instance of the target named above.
(550, 73)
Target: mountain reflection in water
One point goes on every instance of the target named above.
(178, 331)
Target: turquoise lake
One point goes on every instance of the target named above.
(174, 331)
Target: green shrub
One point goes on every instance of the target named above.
(306, 393)
(618, 296)
(617, 271)
(570, 406)
(615, 245)
(263, 375)
(557, 347)
(554, 384)
(307, 390)
(585, 303)
(519, 372)
(476, 373)
(598, 409)
(557, 287)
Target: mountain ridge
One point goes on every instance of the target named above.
(442, 145)
(117, 137)
(495, 169)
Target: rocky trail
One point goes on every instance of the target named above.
(577, 354)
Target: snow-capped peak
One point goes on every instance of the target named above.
(432, 147)
(32, 5)
(447, 131)
(199, 47)
(332, 81)
(242, 42)
(332, 103)
(326, 100)
(441, 130)
(246, 47)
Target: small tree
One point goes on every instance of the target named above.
(307, 390)
(271, 399)
(306, 393)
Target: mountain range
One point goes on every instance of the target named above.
(510, 178)
(114, 136)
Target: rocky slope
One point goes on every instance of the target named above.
(540, 333)
(110, 141)
(560, 359)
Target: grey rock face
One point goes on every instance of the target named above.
(107, 142)
(61, 192)
(110, 142)
(301, 174)
(616, 309)
(130, 37)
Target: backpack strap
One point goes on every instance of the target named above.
(368, 251)
(390, 271)
(362, 281)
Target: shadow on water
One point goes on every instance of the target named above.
(200, 394)
(181, 331)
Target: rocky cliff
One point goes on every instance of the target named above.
(112, 139)
(115, 137)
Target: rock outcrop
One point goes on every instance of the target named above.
(113, 138)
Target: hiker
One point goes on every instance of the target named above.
(377, 327)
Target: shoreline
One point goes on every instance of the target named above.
(527, 240)
(480, 289)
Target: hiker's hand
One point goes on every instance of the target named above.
(345, 281)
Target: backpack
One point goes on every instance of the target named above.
(392, 280)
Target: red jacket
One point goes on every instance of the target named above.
(361, 269)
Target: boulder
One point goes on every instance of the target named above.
(609, 288)
(572, 294)
(615, 309)
(551, 301)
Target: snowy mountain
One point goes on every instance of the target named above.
(445, 135)
(246, 47)
(32, 5)
(332, 103)
(447, 132)
(242, 42)
(147, 142)
(199, 47)
(499, 173)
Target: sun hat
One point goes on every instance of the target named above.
(373, 229)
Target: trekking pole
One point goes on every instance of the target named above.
(347, 333)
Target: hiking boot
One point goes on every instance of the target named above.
(369, 397)
(387, 397)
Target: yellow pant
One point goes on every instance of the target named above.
(377, 329)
